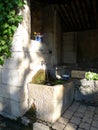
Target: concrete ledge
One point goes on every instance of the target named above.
(51, 101)
(78, 74)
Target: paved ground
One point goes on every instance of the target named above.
(6, 124)
(78, 116)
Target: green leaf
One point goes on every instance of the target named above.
(14, 28)
(1, 60)
(9, 21)
(6, 25)
(2, 42)
(91, 76)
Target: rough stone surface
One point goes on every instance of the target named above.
(78, 74)
(68, 115)
(93, 128)
(96, 117)
(84, 122)
(70, 126)
(75, 120)
(63, 120)
(51, 101)
(39, 126)
(25, 121)
(87, 119)
(14, 72)
(58, 126)
(78, 114)
(95, 124)
(61, 124)
(84, 126)
(86, 90)
(80, 129)
(89, 114)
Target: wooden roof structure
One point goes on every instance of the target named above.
(76, 15)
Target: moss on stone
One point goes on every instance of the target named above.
(39, 77)
(31, 113)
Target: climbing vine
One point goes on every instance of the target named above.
(9, 20)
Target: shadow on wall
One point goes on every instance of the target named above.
(40, 52)
(15, 73)
(13, 85)
(68, 95)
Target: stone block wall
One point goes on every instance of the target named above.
(49, 27)
(27, 55)
(14, 74)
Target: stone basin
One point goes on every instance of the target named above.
(86, 91)
(51, 101)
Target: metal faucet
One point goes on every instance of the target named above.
(43, 63)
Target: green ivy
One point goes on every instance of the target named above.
(91, 76)
(9, 20)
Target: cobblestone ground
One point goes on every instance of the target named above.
(78, 117)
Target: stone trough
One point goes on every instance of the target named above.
(51, 101)
(86, 91)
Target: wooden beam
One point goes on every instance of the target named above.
(94, 3)
(62, 14)
(66, 16)
(80, 12)
(77, 14)
(85, 15)
(97, 11)
(69, 13)
(73, 13)
(64, 21)
(94, 12)
(87, 7)
(83, 12)
(52, 1)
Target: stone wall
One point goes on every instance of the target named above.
(47, 22)
(14, 73)
(27, 56)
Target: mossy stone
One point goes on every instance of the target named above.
(39, 77)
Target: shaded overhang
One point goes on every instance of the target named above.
(53, 1)
(76, 15)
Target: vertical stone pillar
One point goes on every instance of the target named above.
(13, 74)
